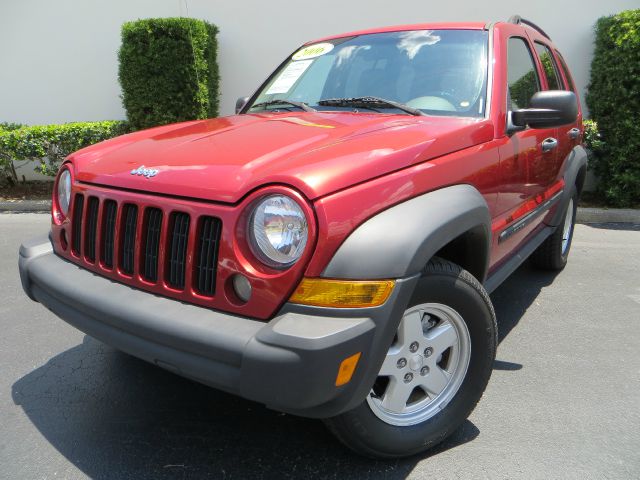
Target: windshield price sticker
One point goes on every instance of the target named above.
(312, 51)
(289, 77)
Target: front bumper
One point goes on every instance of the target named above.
(289, 363)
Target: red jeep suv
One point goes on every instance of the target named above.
(328, 251)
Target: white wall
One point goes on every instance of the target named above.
(58, 60)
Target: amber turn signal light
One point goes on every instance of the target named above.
(323, 292)
(347, 367)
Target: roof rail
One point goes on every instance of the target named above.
(518, 20)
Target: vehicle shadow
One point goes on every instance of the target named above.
(114, 416)
(512, 299)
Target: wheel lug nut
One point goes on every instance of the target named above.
(408, 377)
(428, 352)
(402, 363)
(424, 370)
(414, 347)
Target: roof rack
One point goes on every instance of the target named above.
(518, 20)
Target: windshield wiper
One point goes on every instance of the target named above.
(301, 105)
(367, 102)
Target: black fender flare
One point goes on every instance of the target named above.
(400, 241)
(575, 168)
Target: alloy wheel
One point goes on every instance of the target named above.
(424, 367)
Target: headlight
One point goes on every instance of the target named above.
(278, 231)
(64, 191)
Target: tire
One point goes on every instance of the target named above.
(553, 253)
(447, 297)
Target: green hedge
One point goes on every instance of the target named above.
(50, 144)
(593, 141)
(614, 102)
(168, 71)
(4, 126)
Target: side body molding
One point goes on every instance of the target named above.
(399, 241)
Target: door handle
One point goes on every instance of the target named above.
(549, 144)
(574, 133)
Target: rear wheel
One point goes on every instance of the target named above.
(434, 372)
(553, 253)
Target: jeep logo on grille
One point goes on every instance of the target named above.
(145, 172)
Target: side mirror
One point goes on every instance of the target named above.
(240, 103)
(548, 109)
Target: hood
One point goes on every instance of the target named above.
(319, 153)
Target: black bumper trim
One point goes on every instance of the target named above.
(288, 363)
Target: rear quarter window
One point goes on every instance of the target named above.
(565, 71)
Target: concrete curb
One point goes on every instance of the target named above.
(608, 215)
(584, 215)
(33, 206)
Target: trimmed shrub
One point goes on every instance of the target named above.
(50, 144)
(593, 139)
(4, 126)
(614, 102)
(168, 71)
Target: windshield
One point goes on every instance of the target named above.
(439, 72)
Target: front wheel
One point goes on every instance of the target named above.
(435, 370)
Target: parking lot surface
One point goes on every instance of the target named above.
(563, 401)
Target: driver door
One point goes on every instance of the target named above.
(527, 158)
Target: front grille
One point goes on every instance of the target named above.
(152, 227)
(179, 237)
(147, 242)
(207, 255)
(90, 232)
(129, 221)
(76, 225)
(108, 233)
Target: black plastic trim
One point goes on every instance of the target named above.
(177, 258)
(152, 232)
(404, 237)
(518, 20)
(289, 364)
(494, 280)
(529, 217)
(127, 248)
(91, 229)
(206, 263)
(573, 164)
(109, 214)
(76, 224)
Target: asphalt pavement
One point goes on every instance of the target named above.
(563, 401)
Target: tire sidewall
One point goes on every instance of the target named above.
(565, 256)
(391, 440)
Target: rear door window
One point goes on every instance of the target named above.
(549, 66)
